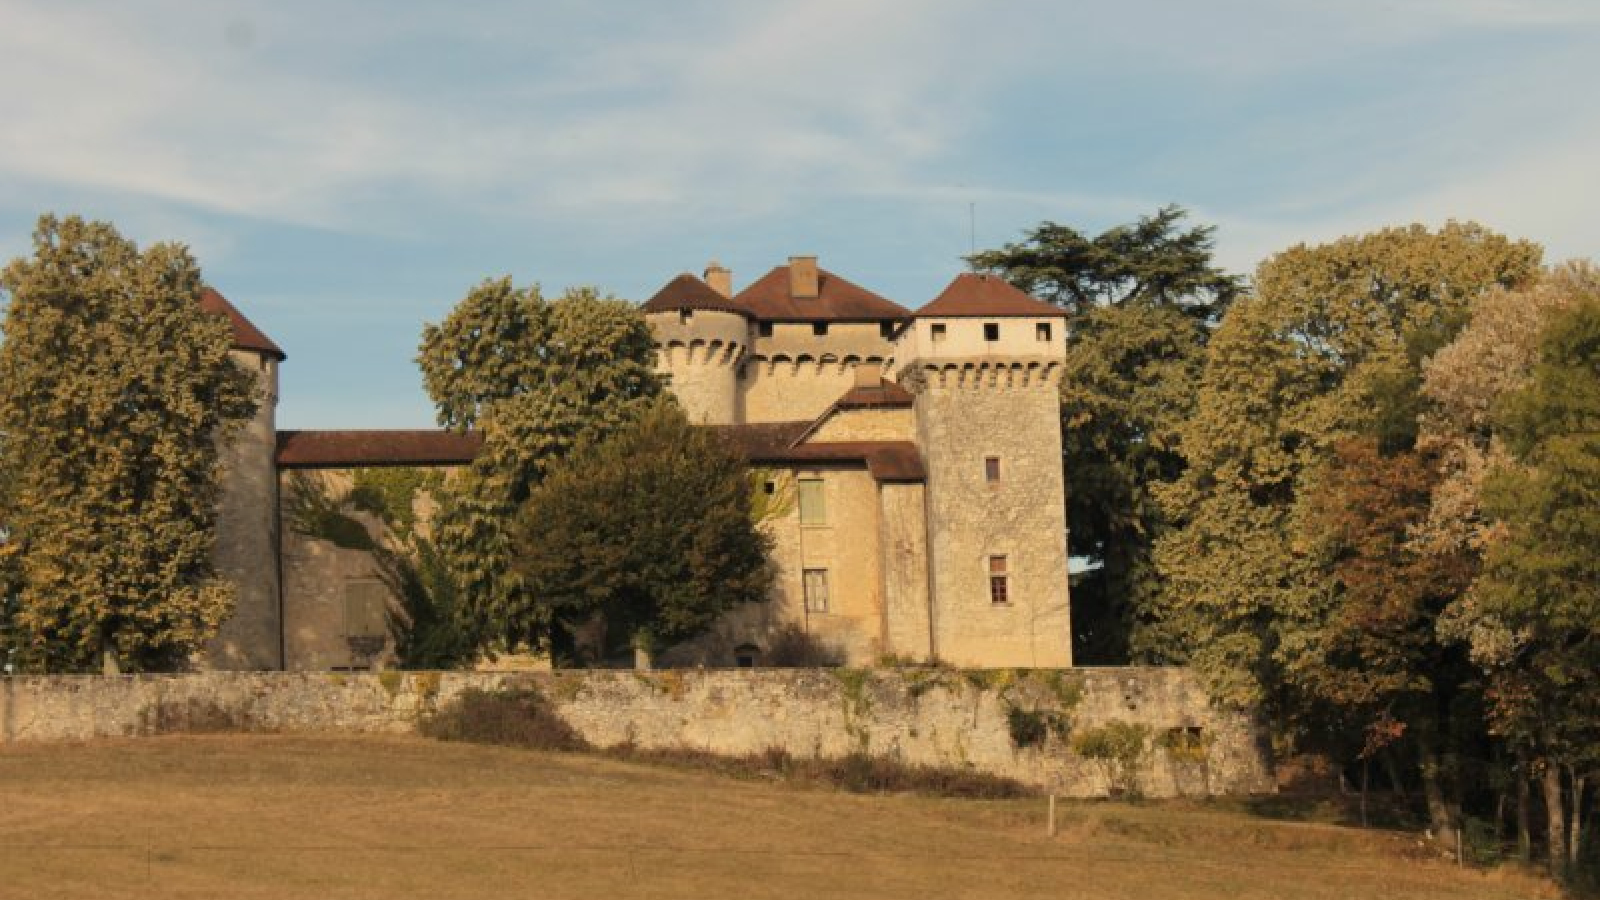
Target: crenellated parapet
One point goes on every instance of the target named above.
(982, 373)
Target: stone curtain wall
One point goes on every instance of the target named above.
(931, 716)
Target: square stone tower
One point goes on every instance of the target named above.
(983, 361)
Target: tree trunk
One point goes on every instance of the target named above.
(1440, 817)
(1366, 771)
(1575, 815)
(1524, 818)
(1557, 824)
(1392, 767)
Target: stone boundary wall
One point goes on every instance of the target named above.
(927, 716)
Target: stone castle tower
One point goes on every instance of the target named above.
(983, 361)
(247, 550)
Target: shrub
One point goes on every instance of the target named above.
(521, 718)
(859, 773)
(792, 647)
(1118, 747)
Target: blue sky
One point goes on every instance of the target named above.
(345, 171)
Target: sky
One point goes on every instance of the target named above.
(346, 171)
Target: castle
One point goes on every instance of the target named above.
(913, 460)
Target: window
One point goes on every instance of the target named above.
(886, 330)
(745, 655)
(770, 488)
(938, 331)
(764, 329)
(820, 329)
(991, 331)
(999, 593)
(365, 606)
(1042, 331)
(813, 502)
(684, 315)
(816, 586)
(991, 469)
(366, 621)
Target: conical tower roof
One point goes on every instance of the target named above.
(246, 336)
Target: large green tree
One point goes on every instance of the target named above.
(115, 389)
(1326, 350)
(1141, 296)
(1267, 590)
(648, 535)
(538, 378)
(1538, 602)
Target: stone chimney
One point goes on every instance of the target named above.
(803, 282)
(719, 278)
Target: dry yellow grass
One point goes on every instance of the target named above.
(289, 817)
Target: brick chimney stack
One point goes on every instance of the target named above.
(719, 278)
(803, 282)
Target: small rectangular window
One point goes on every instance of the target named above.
(991, 469)
(819, 329)
(1042, 331)
(999, 593)
(886, 330)
(937, 331)
(684, 315)
(991, 331)
(365, 607)
(769, 488)
(813, 502)
(764, 329)
(816, 585)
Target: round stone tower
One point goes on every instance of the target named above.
(701, 339)
(247, 548)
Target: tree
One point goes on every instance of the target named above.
(1150, 262)
(1378, 659)
(1327, 348)
(1266, 591)
(539, 378)
(1538, 602)
(115, 390)
(648, 532)
(1141, 297)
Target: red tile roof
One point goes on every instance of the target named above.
(973, 296)
(689, 292)
(886, 394)
(246, 336)
(837, 300)
(773, 442)
(337, 449)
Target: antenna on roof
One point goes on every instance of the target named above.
(972, 227)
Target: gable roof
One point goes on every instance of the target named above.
(883, 395)
(768, 299)
(778, 442)
(338, 449)
(973, 295)
(688, 292)
(246, 336)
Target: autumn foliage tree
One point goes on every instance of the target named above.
(1538, 603)
(1376, 656)
(115, 390)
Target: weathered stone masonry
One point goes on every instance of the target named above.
(929, 716)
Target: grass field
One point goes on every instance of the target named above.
(262, 816)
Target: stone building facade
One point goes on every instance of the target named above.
(913, 458)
